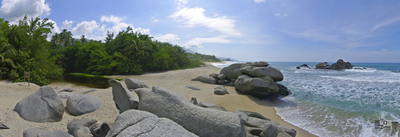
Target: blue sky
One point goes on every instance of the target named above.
(247, 30)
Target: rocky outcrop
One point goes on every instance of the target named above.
(123, 98)
(39, 132)
(83, 104)
(132, 84)
(257, 125)
(232, 71)
(205, 79)
(324, 65)
(200, 121)
(220, 90)
(258, 87)
(44, 105)
(339, 65)
(303, 66)
(135, 123)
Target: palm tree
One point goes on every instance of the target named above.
(6, 50)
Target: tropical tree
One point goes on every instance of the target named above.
(6, 50)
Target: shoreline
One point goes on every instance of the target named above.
(174, 80)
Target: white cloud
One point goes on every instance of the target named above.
(385, 23)
(259, 1)
(85, 28)
(13, 10)
(98, 31)
(199, 41)
(167, 37)
(111, 18)
(277, 14)
(67, 24)
(180, 4)
(195, 17)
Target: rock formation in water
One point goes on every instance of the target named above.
(339, 65)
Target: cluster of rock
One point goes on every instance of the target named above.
(158, 112)
(257, 79)
(339, 65)
(79, 128)
(45, 105)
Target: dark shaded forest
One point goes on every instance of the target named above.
(24, 47)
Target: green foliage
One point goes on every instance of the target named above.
(24, 47)
(203, 57)
(30, 51)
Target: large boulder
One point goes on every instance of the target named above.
(324, 65)
(123, 98)
(132, 83)
(200, 121)
(256, 64)
(39, 132)
(232, 71)
(44, 105)
(80, 128)
(255, 71)
(83, 104)
(205, 79)
(258, 87)
(257, 125)
(135, 123)
(340, 64)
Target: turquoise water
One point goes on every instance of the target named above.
(340, 103)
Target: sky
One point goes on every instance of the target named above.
(246, 30)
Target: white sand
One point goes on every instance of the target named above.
(12, 93)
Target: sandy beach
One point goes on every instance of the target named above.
(177, 80)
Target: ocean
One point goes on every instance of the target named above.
(340, 103)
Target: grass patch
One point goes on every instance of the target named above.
(94, 76)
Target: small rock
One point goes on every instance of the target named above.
(66, 90)
(67, 95)
(205, 79)
(193, 100)
(220, 90)
(100, 130)
(80, 128)
(222, 81)
(92, 90)
(193, 87)
(3, 126)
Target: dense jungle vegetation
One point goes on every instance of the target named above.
(24, 47)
